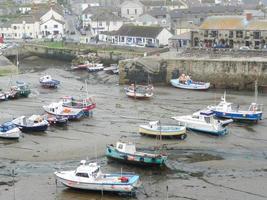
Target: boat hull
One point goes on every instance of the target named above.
(29, 129)
(109, 187)
(192, 86)
(239, 116)
(146, 130)
(112, 153)
(12, 134)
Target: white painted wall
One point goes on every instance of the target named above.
(50, 26)
(131, 10)
(100, 26)
(164, 36)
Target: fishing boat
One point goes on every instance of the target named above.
(95, 67)
(204, 121)
(34, 123)
(89, 177)
(156, 129)
(87, 104)
(185, 82)
(126, 152)
(226, 110)
(139, 91)
(9, 130)
(48, 82)
(21, 89)
(57, 109)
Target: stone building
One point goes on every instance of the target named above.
(231, 32)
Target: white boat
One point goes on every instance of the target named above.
(47, 81)
(95, 67)
(9, 130)
(156, 129)
(57, 109)
(89, 177)
(139, 91)
(113, 69)
(190, 85)
(204, 121)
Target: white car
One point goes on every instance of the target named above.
(244, 48)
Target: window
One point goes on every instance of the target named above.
(239, 34)
(14, 27)
(115, 23)
(55, 26)
(45, 26)
(85, 175)
(206, 33)
(231, 34)
(100, 24)
(214, 33)
(135, 11)
(128, 12)
(256, 35)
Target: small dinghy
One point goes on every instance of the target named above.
(9, 130)
(4, 96)
(225, 110)
(57, 109)
(47, 82)
(34, 123)
(185, 82)
(56, 120)
(95, 67)
(87, 104)
(112, 69)
(126, 152)
(139, 91)
(89, 177)
(204, 121)
(156, 129)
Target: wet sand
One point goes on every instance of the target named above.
(201, 167)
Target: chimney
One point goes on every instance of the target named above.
(249, 16)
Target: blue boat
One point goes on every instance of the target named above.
(48, 82)
(225, 110)
(190, 85)
(126, 152)
(9, 130)
(34, 123)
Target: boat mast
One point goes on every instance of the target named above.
(86, 88)
(256, 91)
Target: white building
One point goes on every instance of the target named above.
(131, 35)
(105, 21)
(131, 9)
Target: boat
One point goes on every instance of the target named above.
(21, 89)
(89, 177)
(226, 110)
(87, 104)
(57, 109)
(156, 129)
(3, 96)
(47, 81)
(81, 66)
(139, 91)
(95, 67)
(56, 120)
(9, 130)
(34, 123)
(126, 152)
(185, 82)
(204, 121)
(112, 69)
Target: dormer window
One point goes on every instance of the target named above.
(120, 146)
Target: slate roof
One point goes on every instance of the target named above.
(105, 16)
(257, 25)
(139, 31)
(161, 3)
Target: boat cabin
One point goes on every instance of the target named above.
(154, 124)
(254, 107)
(205, 115)
(7, 126)
(126, 147)
(46, 78)
(91, 170)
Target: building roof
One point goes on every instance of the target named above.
(125, 3)
(54, 19)
(257, 25)
(182, 36)
(105, 16)
(30, 19)
(139, 31)
(157, 12)
(224, 23)
(161, 3)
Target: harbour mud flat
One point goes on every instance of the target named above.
(199, 168)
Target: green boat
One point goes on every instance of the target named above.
(22, 89)
(126, 152)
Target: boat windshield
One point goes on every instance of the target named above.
(207, 119)
(84, 175)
